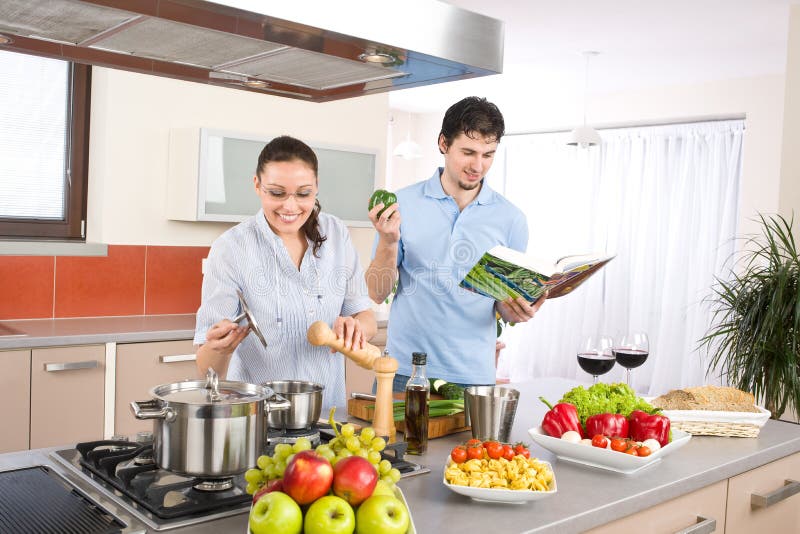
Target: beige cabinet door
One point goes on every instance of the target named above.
(142, 366)
(675, 515)
(15, 410)
(67, 385)
(782, 514)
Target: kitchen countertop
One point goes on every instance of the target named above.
(28, 333)
(586, 497)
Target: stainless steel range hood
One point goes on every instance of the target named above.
(312, 50)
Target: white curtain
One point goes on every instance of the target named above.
(664, 199)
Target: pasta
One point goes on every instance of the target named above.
(518, 474)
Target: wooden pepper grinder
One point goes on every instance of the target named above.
(385, 368)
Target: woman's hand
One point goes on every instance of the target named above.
(350, 330)
(223, 337)
(388, 224)
(518, 310)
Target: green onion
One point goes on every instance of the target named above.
(436, 408)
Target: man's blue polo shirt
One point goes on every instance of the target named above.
(438, 246)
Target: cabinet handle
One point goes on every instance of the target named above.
(790, 487)
(178, 358)
(70, 366)
(704, 525)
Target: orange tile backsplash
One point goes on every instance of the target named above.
(130, 280)
(26, 287)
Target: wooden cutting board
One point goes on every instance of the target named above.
(437, 426)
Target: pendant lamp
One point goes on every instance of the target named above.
(408, 149)
(585, 136)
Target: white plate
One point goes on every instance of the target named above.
(502, 495)
(398, 493)
(606, 458)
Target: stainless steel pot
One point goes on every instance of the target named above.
(208, 428)
(306, 404)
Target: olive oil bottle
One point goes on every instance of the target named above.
(417, 394)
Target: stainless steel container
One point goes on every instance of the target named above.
(306, 404)
(208, 428)
(490, 411)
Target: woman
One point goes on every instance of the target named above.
(294, 266)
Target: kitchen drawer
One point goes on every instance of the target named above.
(67, 393)
(675, 515)
(15, 410)
(142, 366)
(782, 516)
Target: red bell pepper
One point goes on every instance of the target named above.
(608, 424)
(561, 418)
(648, 426)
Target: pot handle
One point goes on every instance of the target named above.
(277, 403)
(152, 409)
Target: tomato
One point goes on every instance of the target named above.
(475, 452)
(619, 444)
(633, 451)
(521, 449)
(472, 442)
(459, 454)
(599, 440)
(493, 449)
(644, 451)
(508, 452)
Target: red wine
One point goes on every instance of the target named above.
(416, 421)
(631, 358)
(595, 364)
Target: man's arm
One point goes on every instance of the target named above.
(382, 271)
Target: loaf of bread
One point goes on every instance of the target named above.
(716, 398)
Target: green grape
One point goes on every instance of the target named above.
(282, 450)
(328, 455)
(384, 467)
(394, 474)
(363, 453)
(323, 449)
(387, 479)
(271, 472)
(289, 458)
(302, 444)
(374, 457)
(348, 430)
(252, 488)
(352, 444)
(367, 435)
(280, 467)
(264, 461)
(254, 476)
(344, 453)
(378, 444)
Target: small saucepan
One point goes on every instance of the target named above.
(305, 399)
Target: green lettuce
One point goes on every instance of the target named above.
(606, 398)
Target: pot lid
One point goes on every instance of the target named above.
(211, 391)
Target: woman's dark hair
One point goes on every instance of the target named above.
(285, 148)
(470, 116)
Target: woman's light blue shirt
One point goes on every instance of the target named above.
(284, 301)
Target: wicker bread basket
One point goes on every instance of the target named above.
(718, 423)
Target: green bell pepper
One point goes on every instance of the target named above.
(381, 195)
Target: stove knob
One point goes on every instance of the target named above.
(145, 437)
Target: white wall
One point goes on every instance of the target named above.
(761, 99)
(130, 122)
(790, 164)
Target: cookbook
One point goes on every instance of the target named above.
(503, 272)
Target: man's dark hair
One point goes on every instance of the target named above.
(471, 116)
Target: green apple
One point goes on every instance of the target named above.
(383, 488)
(276, 513)
(384, 514)
(329, 515)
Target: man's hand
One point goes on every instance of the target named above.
(518, 310)
(388, 224)
(349, 329)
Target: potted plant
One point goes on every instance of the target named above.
(754, 340)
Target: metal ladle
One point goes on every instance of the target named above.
(246, 313)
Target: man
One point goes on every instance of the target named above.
(450, 220)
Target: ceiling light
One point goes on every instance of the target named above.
(256, 84)
(408, 149)
(4, 40)
(377, 57)
(585, 136)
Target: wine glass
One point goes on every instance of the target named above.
(631, 352)
(595, 355)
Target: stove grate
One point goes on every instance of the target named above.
(35, 500)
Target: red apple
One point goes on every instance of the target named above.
(307, 477)
(275, 485)
(354, 479)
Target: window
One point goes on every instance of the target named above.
(44, 147)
